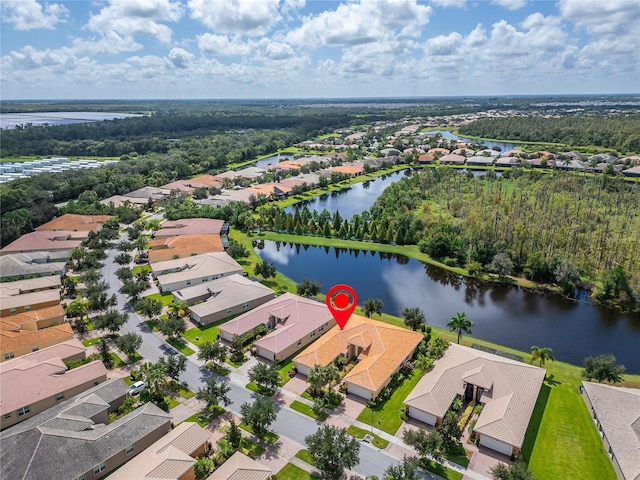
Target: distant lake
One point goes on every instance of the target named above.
(505, 146)
(11, 120)
(273, 159)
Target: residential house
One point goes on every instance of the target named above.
(213, 301)
(575, 165)
(506, 388)
(632, 172)
(426, 158)
(251, 173)
(171, 458)
(16, 342)
(378, 348)
(438, 151)
(71, 222)
(453, 159)
(488, 151)
(616, 414)
(507, 162)
(18, 287)
(120, 200)
(170, 248)
(182, 185)
(33, 319)
(45, 241)
(149, 193)
(192, 226)
(32, 386)
(66, 351)
(479, 160)
(241, 467)
(183, 272)
(206, 181)
(73, 440)
(24, 265)
(295, 322)
(13, 302)
(351, 169)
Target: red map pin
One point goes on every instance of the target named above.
(342, 301)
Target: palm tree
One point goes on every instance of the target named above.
(155, 375)
(541, 353)
(460, 323)
(177, 309)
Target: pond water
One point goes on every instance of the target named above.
(11, 120)
(354, 199)
(273, 159)
(505, 146)
(505, 315)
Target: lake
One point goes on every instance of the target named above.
(11, 120)
(504, 146)
(354, 199)
(273, 159)
(505, 315)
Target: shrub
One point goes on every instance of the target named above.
(292, 373)
(465, 417)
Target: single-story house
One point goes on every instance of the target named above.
(426, 159)
(480, 160)
(632, 172)
(453, 159)
(488, 151)
(507, 162)
(16, 266)
(171, 458)
(18, 287)
(46, 241)
(120, 200)
(18, 303)
(576, 165)
(74, 438)
(296, 321)
(76, 223)
(221, 298)
(33, 319)
(616, 414)
(507, 389)
(380, 350)
(148, 193)
(241, 467)
(170, 248)
(192, 226)
(180, 273)
(18, 342)
(32, 386)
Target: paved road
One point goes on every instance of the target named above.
(289, 423)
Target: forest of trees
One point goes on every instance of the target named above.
(620, 133)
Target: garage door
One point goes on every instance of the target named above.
(422, 416)
(361, 392)
(496, 445)
(263, 352)
(303, 369)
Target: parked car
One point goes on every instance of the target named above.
(137, 387)
(140, 261)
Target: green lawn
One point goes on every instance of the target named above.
(142, 268)
(152, 324)
(134, 357)
(201, 420)
(181, 390)
(165, 298)
(293, 472)
(387, 418)
(117, 361)
(381, 443)
(172, 402)
(259, 389)
(208, 333)
(268, 437)
(220, 370)
(91, 341)
(443, 471)
(181, 346)
(304, 456)
(307, 410)
(250, 449)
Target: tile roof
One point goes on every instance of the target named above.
(618, 411)
(12, 341)
(73, 222)
(16, 321)
(206, 181)
(168, 248)
(54, 446)
(148, 192)
(8, 289)
(222, 293)
(40, 380)
(452, 158)
(32, 298)
(348, 169)
(182, 185)
(168, 458)
(384, 349)
(296, 317)
(119, 200)
(63, 350)
(511, 390)
(197, 266)
(190, 226)
(241, 467)
(43, 241)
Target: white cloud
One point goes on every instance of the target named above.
(443, 44)
(141, 17)
(510, 4)
(30, 15)
(180, 58)
(597, 17)
(450, 3)
(110, 43)
(224, 46)
(28, 58)
(250, 17)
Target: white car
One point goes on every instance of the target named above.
(136, 388)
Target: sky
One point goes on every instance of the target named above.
(181, 49)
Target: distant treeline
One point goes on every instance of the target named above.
(620, 133)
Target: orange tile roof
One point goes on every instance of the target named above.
(205, 181)
(31, 316)
(441, 150)
(384, 349)
(348, 169)
(180, 246)
(13, 341)
(265, 189)
(44, 241)
(73, 222)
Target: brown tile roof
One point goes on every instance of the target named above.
(11, 341)
(348, 169)
(73, 222)
(205, 181)
(433, 151)
(39, 380)
(16, 321)
(241, 467)
(385, 348)
(44, 241)
(64, 350)
(190, 226)
(511, 390)
(168, 248)
(182, 185)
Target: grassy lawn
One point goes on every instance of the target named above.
(152, 324)
(180, 346)
(441, 470)
(268, 437)
(117, 361)
(292, 472)
(304, 456)
(381, 443)
(330, 402)
(222, 371)
(128, 381)
(259, 389)
(236, 364)
(172, 402)
(201, 420)
(387, 418)
(91, 341)
(134, 357)
(142, 268)
(307, 410)
(250, 449)
(181, 390)
(165, 298)
(205, 334)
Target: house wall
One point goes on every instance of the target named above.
(5, 312)
(121, 457)
(46, 403)
(172, 286)
(303, 342)
(218, 315)
(189, 474)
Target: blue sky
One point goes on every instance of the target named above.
(307, 48)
